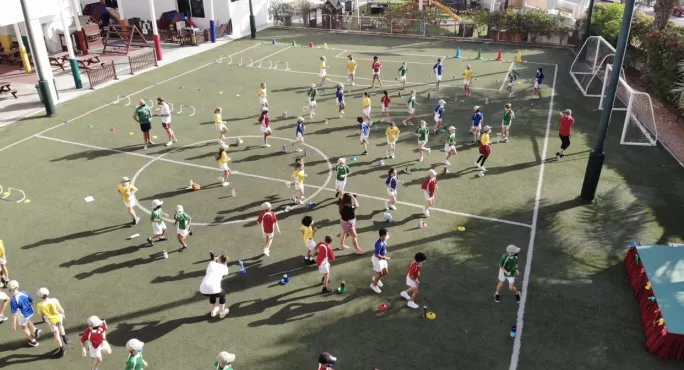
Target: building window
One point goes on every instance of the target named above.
(191, 8)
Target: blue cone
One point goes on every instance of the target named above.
(458, 53)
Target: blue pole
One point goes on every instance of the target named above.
(212, 30)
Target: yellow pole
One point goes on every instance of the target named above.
(22, 49)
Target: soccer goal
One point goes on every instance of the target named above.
(588, 68)
(640, 125)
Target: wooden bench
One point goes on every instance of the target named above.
(86, 61)
(6, 89)
(59, 60)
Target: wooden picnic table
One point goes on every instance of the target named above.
(6, 89)
(59, 59)
(86, 60)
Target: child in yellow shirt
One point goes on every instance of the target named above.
(467, 80)
(351, 69)
(53, 313)
(308, 233)
(4, 275)
(223, 160)
(263, 101)
(297, 178)
(392, 134)
(323, 72)
(220, 125)
(366, 105)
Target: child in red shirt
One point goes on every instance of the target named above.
(96, 337)
(324, 254)
(385, 101)
(269, 223)
(376, 71)
(265, 121)
(412, 280)
(429, 188)
(564, 131)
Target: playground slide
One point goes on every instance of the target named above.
(446, 10)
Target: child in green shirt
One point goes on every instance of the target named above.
(224, 361)
(508, 268)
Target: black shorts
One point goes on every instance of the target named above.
(145, 127)
(565, 141)
(221, 297)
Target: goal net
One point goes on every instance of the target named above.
(589, 66)
(639, 123)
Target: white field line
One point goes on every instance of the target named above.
(270, 55)
(129, 95)
(389, 60)
(515, 356)
(381, 51)
(156, 158)
(503, 80)
(340, 53)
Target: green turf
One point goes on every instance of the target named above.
(580, 312)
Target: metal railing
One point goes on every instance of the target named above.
(98, 76)
(142, 60)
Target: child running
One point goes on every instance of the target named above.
(263, 101)
(223, 160)
(366, 105)
(438, 69)
(297, 178)
(379, 261)
(508, 268)
(467, 80)
(323, 72)
(351, 69)
(4, 275)
(450, 146)
(158, 224)
(265, 122)
(21, 306)
(53, 313)
(308, 233)
(512, 78)
(485, 150)
(127, 192)
(401, 75)
(96, 336)
(506, 120)
(364, 127)
(220, 125)
(392, 134)
(339, 95)
(299, 138)
(182, 222)
(135, 360)
(165, 115)
(385, 101)
(538, 79)
(376, 71)
(312, 100)
(411, 104)
(477, 119)
(4, 302)
(269, 223)
(413, 280)
(423, 133)
(439, 116)
(342, 171)
(429, 188)
(325, 254)
(391, 182)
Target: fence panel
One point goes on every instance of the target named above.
(98, 76)
(142, 60)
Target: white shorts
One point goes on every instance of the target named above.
(536, 85)
(401, 78)
(3, 261)
(323, 73)
(376, 73)
(299, 138)
(23, 321)
(412, 110)
(324, 268)
(448, 147)
(131, 202)
(503, 277)
(97, 352)
(266, 130)
(437, 119)
(267, 235)
(224, 167)
(439, 77)
(312, 103)
(410, 282)
(310, 244)
(378, 264)
(352, 73)
(506, 126)
(299, 187)
(510, 84)
(55, 327)
(221, 128)
(263, 101)
(157, 229)
(392, 142)
(427, 195)
(392, 192)
(367, 111)
(467, 83)
(385, 109)
(363, 137)
(182, 232)
(339, 185)
(422, 142)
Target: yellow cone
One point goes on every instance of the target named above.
(5, 194)
(27, 201)
(518, 58)
(325, 46)
(431, 315)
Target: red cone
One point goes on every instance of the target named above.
(499, 57)
(310, 44)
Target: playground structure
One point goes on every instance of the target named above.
(120, 39)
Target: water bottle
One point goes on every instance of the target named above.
(232, 192)
(284, 280)
(212, 256)
(514, 330)
(487, 101)
(242, 268)
(166, 254)
(424, 311)
(305, 153)
(420, 223)
(389, 303)
(284, 149)
(311, 204)
(285, 114)
(377, 127)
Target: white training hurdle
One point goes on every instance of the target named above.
(261, 64)
(287, 65)
(251, 62)
(221, 58)
(118, 99)
(9, 192)
(186, 106)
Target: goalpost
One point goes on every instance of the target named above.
(591, 71)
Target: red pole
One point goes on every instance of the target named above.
(155, 31)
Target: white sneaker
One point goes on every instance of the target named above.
(3, 318)
(137, 220)
(225, 312)
(145, 147)
(393, 207)
(215, 311)
(267, 252)
(380, 284)
(151, 143)
(386, 206)
(267, 145)
(169, 143)
(225, 183)
(392, 156)
(426, 213)
(481, 174)
(404, 122)
(299, 149)
(446, 163)
(175, 141)
(406, 296)
(428, 150)
(412, 304)
(477, 164)
(482, 168)
(222, 179)
(421, 159)
(375, 288)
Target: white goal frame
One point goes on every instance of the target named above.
(638, 108)
(590, 63)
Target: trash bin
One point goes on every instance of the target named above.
(40, 94)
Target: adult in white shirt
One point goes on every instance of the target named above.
(211, 286)
(165, 114)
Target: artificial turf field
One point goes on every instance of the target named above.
(578, 310)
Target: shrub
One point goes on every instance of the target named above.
(664, 50)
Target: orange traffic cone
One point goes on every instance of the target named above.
(310, 44)
(499, 57)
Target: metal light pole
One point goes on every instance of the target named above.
(587, 28)
(596, 157)
(70, 48)
(155, 31)
(212, 22)
(43, 84)
(252, 21)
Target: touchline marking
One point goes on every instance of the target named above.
(319, 188)
(129, 95)
(270, 55)
(389, 51)
(340, 53)
(503, 81)
(515, 356)
(390, 60)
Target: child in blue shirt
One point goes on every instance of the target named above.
(365, 132)
(339, 95)
(477, 118)
(538, 79)
(379, 260)
(439, 116)
(299, 138)
(21, 306)
(392, 181)
(437, 68)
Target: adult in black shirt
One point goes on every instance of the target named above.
(347, 208)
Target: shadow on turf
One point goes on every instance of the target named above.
(148, 331)
(104, 255)
(179, 191)
(16, 358)
(78, 235)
